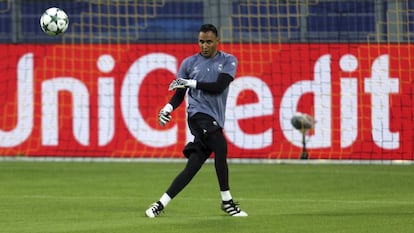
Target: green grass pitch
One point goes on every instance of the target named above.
(91, 197)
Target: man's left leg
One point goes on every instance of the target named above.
(218, 144)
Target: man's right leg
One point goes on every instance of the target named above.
(194, 163)
(197, 154)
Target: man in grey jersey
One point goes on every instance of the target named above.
(205, 77)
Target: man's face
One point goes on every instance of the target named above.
(208, 43)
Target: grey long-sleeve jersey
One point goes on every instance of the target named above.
(207, 70)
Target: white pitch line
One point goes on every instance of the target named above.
(372, 201)
(230, 160)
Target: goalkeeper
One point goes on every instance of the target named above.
(206, 75)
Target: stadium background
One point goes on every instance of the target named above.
(96, 90)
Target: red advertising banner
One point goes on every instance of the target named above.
(103, 100)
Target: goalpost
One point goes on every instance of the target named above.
(96, 90)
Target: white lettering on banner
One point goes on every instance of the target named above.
(134, 121)
(80, 111)
(321, 88)
(106, 112)
(25, 104)
(263, 107)
(106, 100)
(349, 101)
(380, 85)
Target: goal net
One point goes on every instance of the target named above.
(96, 90)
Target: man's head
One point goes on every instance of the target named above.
(208, 40)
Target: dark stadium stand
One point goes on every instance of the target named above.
(175, 21)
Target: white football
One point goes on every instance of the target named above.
(54, 21)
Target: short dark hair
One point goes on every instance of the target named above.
(209, 28)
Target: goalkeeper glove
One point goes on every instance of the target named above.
(182, 83)
(165, 114)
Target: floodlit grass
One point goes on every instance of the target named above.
(85, 197)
